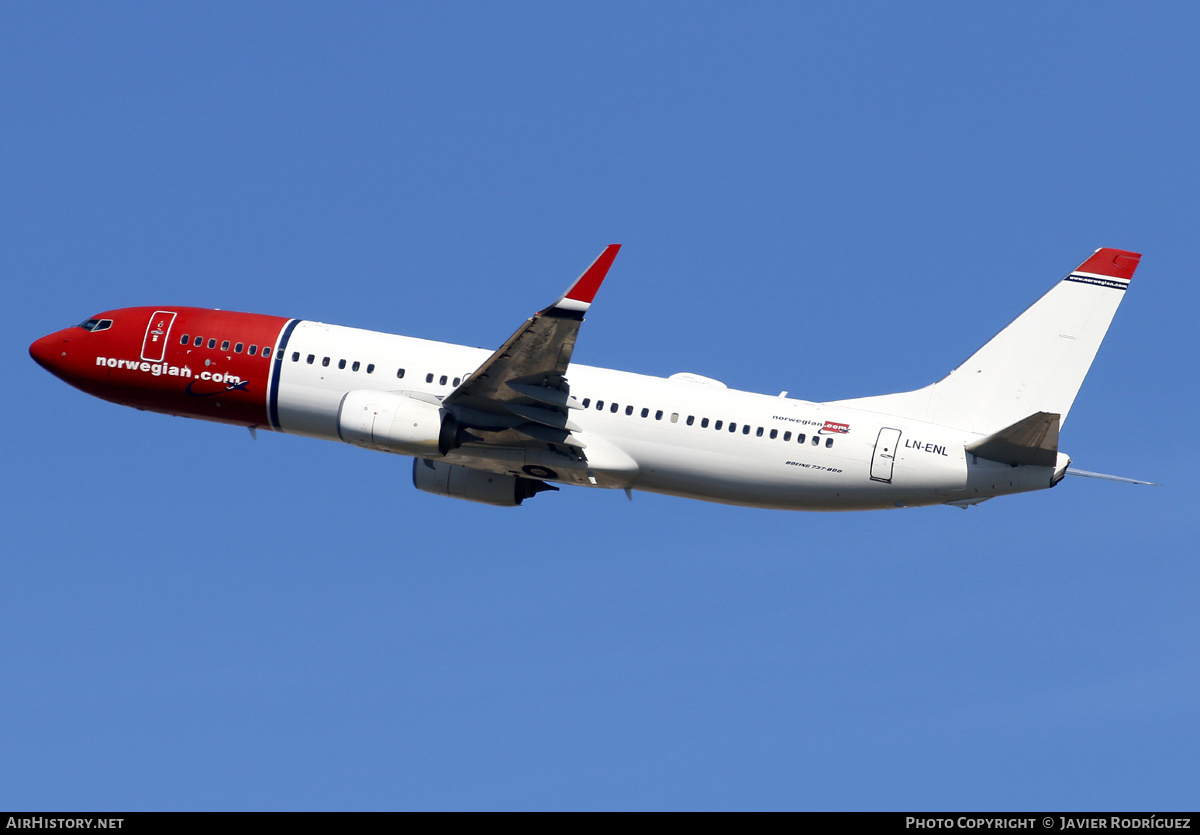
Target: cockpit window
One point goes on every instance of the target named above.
(89, 324)
(96, 324)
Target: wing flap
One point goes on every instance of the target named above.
(551, 397)
(550, 435)
(546, 417)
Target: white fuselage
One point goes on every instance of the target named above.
(663, 435)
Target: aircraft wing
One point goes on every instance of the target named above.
(521, 388)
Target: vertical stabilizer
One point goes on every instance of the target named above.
(1036, 364)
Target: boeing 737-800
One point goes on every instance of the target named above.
(503, 426)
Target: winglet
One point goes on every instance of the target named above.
(1111, 263)
(580, 294)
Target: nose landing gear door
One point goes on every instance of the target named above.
(158, 330)
(885, 455)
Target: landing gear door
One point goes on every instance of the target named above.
(885, 455)
(158, 329)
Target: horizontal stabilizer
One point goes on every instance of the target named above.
(1032, 440)
(1103, 477)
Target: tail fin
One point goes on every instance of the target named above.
(1036, 364)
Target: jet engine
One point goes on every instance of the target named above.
(461, 482)
(393, 422)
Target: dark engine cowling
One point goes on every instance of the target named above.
(461, 482)
(393, 422)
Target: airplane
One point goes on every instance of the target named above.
(500, 427)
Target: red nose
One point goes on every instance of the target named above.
(50, 351)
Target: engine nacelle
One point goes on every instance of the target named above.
(393, 422)
(461, 482)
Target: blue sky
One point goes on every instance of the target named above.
(833, 201)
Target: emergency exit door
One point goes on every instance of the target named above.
(885, 455)
(158, 331)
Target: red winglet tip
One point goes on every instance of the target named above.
(1114, 263)
(584, 289)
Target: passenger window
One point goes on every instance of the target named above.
(629, 410)
(645, 413)
(732, 427)
(717, 425)
(237, 349)
(613, 408)
(703, 423)
(212, 343)
(758, 432)
(399, 373)
(800, 438)
(325, 362)
(253, 350)
(355, 366)
(198, 341)
(370, 368)
(429, 378)
(310, 359)
(266, 352)
(295, 356)
(225, 345)
(674, 417)
(816, 441)
(745, 429)
(342, 365)
(587, 401)
(183, 340)
(442, 380)
(599, 405)
(457, 380)
(828, 443)
(691, 419)
(658, 415)
(787, 436)
(774, 434)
